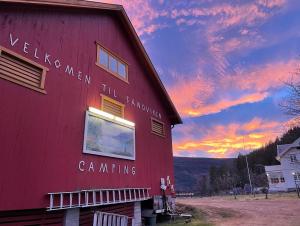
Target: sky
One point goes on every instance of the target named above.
(225, 65)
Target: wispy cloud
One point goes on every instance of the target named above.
(227, 27)
(263, 77)
(142, 15)
(203, 96)
(226, 140)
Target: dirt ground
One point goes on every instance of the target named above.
(278, 210)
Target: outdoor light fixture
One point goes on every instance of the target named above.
(111, 117)
(101, 113)
(124, 121)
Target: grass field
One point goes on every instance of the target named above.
(198, 218)
(278, 210)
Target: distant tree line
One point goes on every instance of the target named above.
(234, 177)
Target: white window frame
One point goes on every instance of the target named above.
(87, 151)
(293, 158)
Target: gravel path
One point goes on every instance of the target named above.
(278, 210)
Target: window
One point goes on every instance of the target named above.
(274, 180)
(108, 135)
(22, 71)
(293, 158)
(282, 179)
(112, 106)
(111, 63)
(296, 176)
(157, 127)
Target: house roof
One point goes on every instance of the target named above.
(120, 12)
(284, 148)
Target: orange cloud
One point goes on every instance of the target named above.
(224, 104)
(225, 141)
(191, 95)
(258, 123)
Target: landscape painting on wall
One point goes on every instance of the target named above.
(108, 138)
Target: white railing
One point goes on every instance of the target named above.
(96, 197)
(108, 219)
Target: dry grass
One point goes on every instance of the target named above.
(248, 210)
(198, 217)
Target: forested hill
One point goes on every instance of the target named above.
(211, 176)
(189, 171)
(267, 154)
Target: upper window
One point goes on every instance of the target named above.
(22, 71)
(293, 158)
(111, 63)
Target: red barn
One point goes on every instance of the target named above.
(85, 121)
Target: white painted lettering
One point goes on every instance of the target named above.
(25, 48)
(69, 70)
(57, 64)
(47, 60)
(132, 102)
(103, 168)
(81, 165)
(91, 167)
(35, 53)
(104, 87)
(133, 170)
(13, 42)
(87, 79)
(113, 167)
(79, 75)
(125, 169)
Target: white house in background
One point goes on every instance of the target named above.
(285, 176)
(275, 178)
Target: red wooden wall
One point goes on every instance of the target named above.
(41, 136)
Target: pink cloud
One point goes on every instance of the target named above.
(141, 13)
(271, 3)
(257, 83)
(262, 78)
(196, 92)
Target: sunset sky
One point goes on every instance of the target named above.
(224, 64)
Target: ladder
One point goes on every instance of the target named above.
(96, 197)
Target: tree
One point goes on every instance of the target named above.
(291, 103)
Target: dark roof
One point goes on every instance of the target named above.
(120, 12)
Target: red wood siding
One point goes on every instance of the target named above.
(41, 135)
(31, 217)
